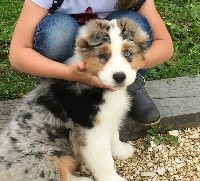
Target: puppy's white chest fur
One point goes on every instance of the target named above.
(114, 108)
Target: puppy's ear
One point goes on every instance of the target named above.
(98, 32)
(82, 43)
(93, 34)
(99, 38)
(94, 40)
(132, 32)
(127, 33)
(142, 38)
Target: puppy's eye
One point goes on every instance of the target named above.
(103, 56)
(128, 55)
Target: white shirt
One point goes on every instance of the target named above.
(102, 7)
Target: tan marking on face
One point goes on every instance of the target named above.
(93, 64)
(89, 53)
(105, 48)
(64, 166)
(138, 61)
(130, 46)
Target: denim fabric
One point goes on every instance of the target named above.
(55, 34)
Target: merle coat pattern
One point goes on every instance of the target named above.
(62, 122)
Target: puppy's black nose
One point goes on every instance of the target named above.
(119, 77)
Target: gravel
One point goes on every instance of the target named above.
(164, 162)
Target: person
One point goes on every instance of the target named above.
(45, 34)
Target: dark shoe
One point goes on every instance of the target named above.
(143, 109)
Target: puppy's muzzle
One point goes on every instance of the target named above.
(119, 77)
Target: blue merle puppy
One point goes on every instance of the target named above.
(63, 122)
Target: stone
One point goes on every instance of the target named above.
(147, 174)
(174, 133)
(198, 168)
(161, 171)
(178, 100)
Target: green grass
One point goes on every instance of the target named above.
(12, 84)
(182, 19)
(9, 11)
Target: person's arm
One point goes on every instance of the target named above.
(23, 58)
(161, 48)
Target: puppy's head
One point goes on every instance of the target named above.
(112, 50)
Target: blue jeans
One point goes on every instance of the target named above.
(55, 35)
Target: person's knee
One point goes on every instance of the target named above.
(55, 36)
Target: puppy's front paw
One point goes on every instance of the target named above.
(113, 177)
(85, 179)
(74, 178)
(122, 151)
(119, 178)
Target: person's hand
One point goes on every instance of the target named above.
(76, 73)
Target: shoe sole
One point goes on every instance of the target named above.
(150, 123)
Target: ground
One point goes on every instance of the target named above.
(164, 162)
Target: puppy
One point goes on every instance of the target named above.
(63, 122)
